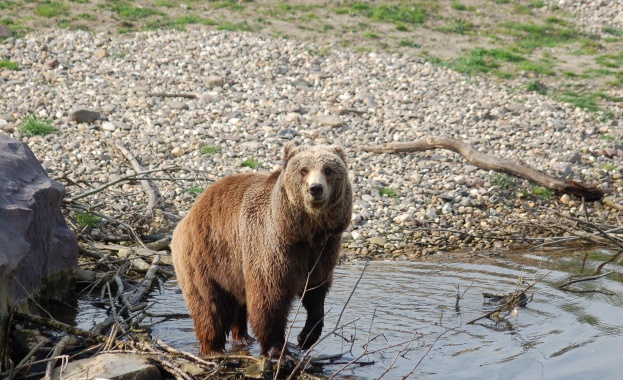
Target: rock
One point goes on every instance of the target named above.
(110, 366)
(53, 63)
(251, 145)
(177, 152)
(178, 105)
(39, 252)
(108, 126)
(447, 208)
(101, 53)
(7, 117)
(378, 240)
(330, 121)
(85, 116)
(5, 32)
(574, 158)
(300, 82)
(404, 218)
(565, 199)
(293, 117)
(564, 169)
(213, 81)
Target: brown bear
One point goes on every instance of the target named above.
(254, 242)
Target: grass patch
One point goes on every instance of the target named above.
(87, 219)
(253, 164)
(542, 192)
(163, 4)
(611, 60)
(209, 149)
(482, 60)
(10, 65)
(607, 137)
(401, 27)
(587, 100)
(536, 86)
(177, 24)
(458, 6)
(363, 49)
(8, 4)
(608, 167)
(233, 5)
(459, 27)
(617, 32)
(194, 190)
(408, 43)
(33, 126)
(51, 9)
(388, 191)
(86, 16)
(239, 26)
(370, 34)
(129, 12)
(391, 13)
(503, 181)
(531, 36)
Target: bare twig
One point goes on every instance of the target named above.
(56, 354)
(151, 193)
(425, 354)
(582, 279)
(116, 181)
(513, 300)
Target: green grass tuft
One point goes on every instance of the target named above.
(502, 180)
(87, 219)
(33, 126)
(6, 64)
(129, 12)
(195, 190)
(542, 192)
(209, 149)
(388, 191)
(459, 27)
(228, 26)
(51, 9)
(253, 164)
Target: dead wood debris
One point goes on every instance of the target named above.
(491, 162)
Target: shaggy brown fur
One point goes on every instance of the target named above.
(248, 244)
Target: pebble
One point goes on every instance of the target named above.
(85, 116)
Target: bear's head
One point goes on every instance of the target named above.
(316, 177)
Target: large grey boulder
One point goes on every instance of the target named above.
(38, 252)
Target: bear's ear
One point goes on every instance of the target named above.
(288, 151)
(340, 152)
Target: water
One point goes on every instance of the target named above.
(404, 312)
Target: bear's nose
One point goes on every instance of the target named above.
(315, 189)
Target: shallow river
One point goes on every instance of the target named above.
(404, 313)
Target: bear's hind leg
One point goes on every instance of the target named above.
(239, 332)
(212, 310)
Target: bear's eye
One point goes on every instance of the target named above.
(304, 172)
(328, 171)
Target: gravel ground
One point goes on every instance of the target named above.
(254, 94)
(593, 15)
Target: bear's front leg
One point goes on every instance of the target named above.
(268, 306)
(313, 300)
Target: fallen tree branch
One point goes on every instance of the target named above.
(151, 193)
(582, 279)
(491, 162)
(60, 326)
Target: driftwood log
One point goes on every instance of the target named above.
(488, 161)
